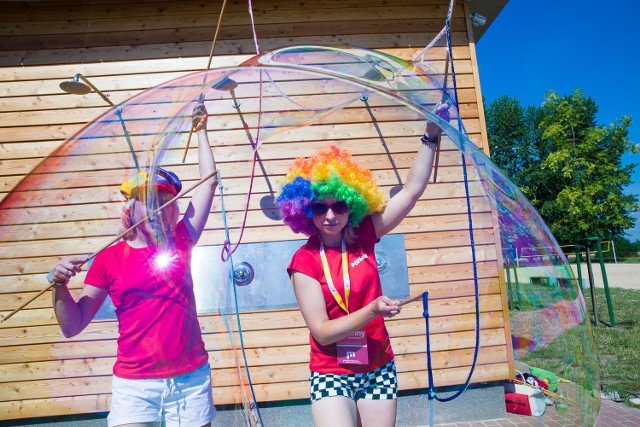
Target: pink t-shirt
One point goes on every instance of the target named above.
(365, 287)
(155, 305)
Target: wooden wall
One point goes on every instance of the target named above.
(125, 47)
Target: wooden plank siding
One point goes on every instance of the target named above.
(127, 47)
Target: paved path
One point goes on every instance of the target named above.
(611, 415)
(625, 276)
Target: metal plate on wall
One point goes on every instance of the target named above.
(261, 275)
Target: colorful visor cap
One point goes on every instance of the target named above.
(163, 180)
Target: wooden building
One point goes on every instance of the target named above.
(126, 47)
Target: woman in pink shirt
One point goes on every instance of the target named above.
(161, 370)
(330, 198)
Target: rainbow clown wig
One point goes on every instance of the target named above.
(329, 172)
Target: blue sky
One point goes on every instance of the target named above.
(541, 45)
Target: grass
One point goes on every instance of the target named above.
(629, 260)
(618, 348)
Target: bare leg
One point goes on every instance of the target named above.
(378, 413)
(334, 411)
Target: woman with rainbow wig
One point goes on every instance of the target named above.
(335, 202)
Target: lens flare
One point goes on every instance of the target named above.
(164, 260)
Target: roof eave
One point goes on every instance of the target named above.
(489, 9)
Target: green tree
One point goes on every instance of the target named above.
(568, 166)
(514, 132)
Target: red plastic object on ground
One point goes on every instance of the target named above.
(517, 403)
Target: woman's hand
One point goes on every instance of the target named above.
(65, 269)
(74, 314)
(441, 110)
(197, 212)
(199, 115)
(385, 306)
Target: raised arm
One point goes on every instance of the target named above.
(314, 311)
(401, 204)
(73, 315)
(197, 212)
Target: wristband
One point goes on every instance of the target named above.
(429, 139)
(53, 282)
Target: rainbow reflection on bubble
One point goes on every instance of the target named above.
(308, 97)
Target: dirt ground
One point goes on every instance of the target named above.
(625, 276)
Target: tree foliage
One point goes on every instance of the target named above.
(568, 165)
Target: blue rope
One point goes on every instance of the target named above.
(237, 312)
(431, 394)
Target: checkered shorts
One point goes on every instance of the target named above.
(380, 384)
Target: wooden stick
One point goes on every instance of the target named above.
(118, 237)
(407, 301)
(215, 36)
(213, 47)
(186, 149)
(547, 392)
(193, 126)
(8, 316)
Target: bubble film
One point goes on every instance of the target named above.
(293, 95)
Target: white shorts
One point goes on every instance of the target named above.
(185, 400)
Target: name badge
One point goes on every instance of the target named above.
(352, 350)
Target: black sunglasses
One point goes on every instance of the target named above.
(338, 208)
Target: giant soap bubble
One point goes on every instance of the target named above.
(289, 103)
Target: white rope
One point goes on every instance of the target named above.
(253, 28)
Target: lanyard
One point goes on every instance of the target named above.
(345, 276)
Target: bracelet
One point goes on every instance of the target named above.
(429, 139)
(53, 282)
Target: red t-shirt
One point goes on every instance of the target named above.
(159, 333)
(365, 287)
